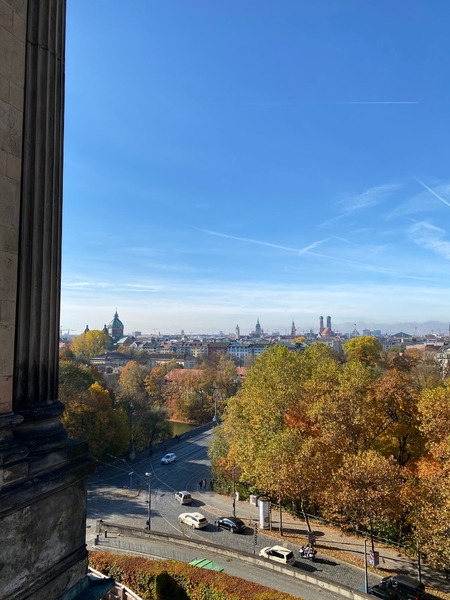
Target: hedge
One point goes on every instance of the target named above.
(169, 579)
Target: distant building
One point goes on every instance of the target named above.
(293, 329)
(238, 352)
(136, 334)
(110, 363)
(187, 361)
(367, 332)
(218, 348)
(238, 333)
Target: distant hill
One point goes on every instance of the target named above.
(390, 328)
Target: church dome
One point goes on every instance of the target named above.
(116, 322)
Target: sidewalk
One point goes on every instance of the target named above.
(329, 541)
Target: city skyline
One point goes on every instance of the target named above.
(411, 328)
(224, 162)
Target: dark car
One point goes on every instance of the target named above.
(383, 592)
(406, 587)
(231, 523)
(399, 587)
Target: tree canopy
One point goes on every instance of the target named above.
(89, 344)
(365, 442)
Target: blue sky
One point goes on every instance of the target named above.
(281, 159)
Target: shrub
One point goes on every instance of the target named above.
(157, 580)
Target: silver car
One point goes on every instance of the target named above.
(168, 458)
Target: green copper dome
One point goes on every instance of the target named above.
(116, 322)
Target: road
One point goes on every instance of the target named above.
(108, 500)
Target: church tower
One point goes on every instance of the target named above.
(258, 328)
(238, 333)
(115, 328)
(293, 329)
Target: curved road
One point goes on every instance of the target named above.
(108, 499)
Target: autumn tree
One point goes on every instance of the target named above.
(396, 398)
(364, 490)
(155, 384)
(262, 444)
(90, 415)
(132, 382)
(89, 344)
(365, 349)
(192, 395)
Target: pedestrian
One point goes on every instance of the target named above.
(204, 483)
(151, 451)
(200, 483)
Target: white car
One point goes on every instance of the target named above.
(183, 497)
(278, 554)
(168, 458)
(195, 519)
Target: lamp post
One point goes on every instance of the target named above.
(149, 501)
(216, 418)
(131, 451)
(234, 489)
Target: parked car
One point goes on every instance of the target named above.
(278, 554)
(402, 587)
(183, 497)
(168, 458)
(231, 523)
(383, 593)
(195, 520)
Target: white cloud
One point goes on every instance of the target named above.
(204, 306)
(423, 202)
(430, 237)
(370, 197)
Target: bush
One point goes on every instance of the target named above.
(158, 580)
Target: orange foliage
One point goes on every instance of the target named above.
(141, 575)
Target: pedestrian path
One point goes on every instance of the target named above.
(329, 541)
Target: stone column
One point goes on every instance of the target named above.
(43, 475)
(35, 389)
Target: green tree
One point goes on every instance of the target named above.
(366, 349)
(151, 426)
(73, 378)
(89, 344)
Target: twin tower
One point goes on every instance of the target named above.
(321, 327)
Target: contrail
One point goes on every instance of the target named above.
(432, 192)
(251, 241)
(344, 240)
(306, 250)
(312, 103)
(373, 102)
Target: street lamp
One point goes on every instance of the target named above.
(216, 418)
(149, 500)
(131, 450)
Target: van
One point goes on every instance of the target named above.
(183, 497)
